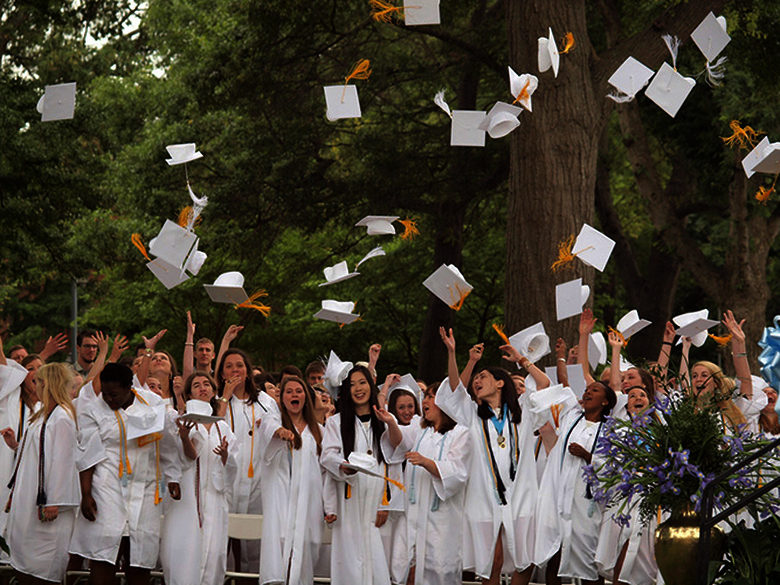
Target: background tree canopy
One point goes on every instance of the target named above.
(285, 186)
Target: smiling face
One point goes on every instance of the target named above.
(631, 378)
(294, 397)
(702, 380)
(201, 389)
(359, 389)
(487, 388)
(404, 409)
(233, 366)
(594, 399)
(637, 401)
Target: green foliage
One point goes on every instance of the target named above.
(752, 556)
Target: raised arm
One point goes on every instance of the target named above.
(616, 344)
(151, 344)
(119, 347)
(666, 351)
(53, 345)
(511, 354)
(97, 366)
(373, 357)
(587, 322)
(560, 362)
(452, 362)
(393, 430)
(475, 354)
(390, 380)
(188, 365)
(739, 353)
(231, 333)
(3, 361)
(685, 368)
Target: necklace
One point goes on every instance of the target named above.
(363, 426)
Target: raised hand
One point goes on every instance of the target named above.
(587, 322)
(448, 338)
(572, 355)
(53, 345)
(190, 327)
(385, 416)
(232, 332)
(734, 327)
(614, 340)
(373, 353)
(669, 333)
(152, 343)
(560, 349)
(512, 355)
(390, 381)
(475, 353)
(102, 343)
(120, 346)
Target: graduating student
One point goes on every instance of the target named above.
(567, 518)
(438, 454)
(292, 489)
(45, 483)
(121, 461)
(502, 487)
(243, 407)
(196, 526)
(353, 435)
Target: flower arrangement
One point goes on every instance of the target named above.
(665, 457)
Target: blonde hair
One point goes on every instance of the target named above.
(724, 389)
(54, 387)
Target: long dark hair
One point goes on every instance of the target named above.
(249, 383)
(187, 392)
(447, 424)
(308, 414)
(508, 396)
(346, 409)
(396, 394)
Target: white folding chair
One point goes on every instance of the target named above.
(244, 527)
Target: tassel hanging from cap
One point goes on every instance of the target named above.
(564, 254)
(715, 72)
(360, 71)
(568, 43)
(743, 137)
(622, 337)
(763, 194)
(384, 11)
(461, 297)
(721, 340)
(523, 95)
(499, 329)
(136, 239)
(555, 410)
(673, 44)
(410, 228)
(438, 99)
(250, 303)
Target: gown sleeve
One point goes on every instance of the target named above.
(62, 485)
(332, 453)
(454, 465)
(456, 404)
(90, 445)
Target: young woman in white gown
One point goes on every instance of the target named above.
(196, 526)
(292, 489)
(45, 483)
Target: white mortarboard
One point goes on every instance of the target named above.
(363, 462)
(336, 372)
(698, 333)
(173, 244)
(144, 419)
(630, 324)
(751, 160)
(630, 77)
(574, 374)
(524, 84)
(182, 153)
(342, 102)
(569, 298)
(669, 89)
(58, 102)
(417, 12)
(407, 382)
(337, 311)
(199, 411)
(378, 251)
(465, 129)
(532, 342)
(378, 225)
(168, 274)
(337, 273)
(227, 288)
(625, 364)
(541, 402)
(548, 53)
(448, 284)
(501, 119)
(711, 36)
(593, 247)
(597, 349)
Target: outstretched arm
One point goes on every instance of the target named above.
(452, 363)
(616, 343)
(587, 321)
(666, 350)
(188, 365)
(475, 354)
(739, 353)
(511, 354)
(231, 333)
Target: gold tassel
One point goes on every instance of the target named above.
(136, 239)
(265, 310)
(410, 229)
(361, 71)
(555, 409)
(157, 498)
(397, 484)
(568, 43)
(763, 194)
(743, 137)
(383, 11)
(457, 305)
(564, 254)
(619, 334)
(500, 330)
(349, 492)
(523, 93)
(722, 341)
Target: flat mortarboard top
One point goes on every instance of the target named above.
(337, 311)
(173, 244)
(448, 284)
(58, 102)
(342, 102)
(593, 247)
(630, 324)
(630, 77)
(227, 288)
(570, 297)
(378, 225)
(465, 129)
(532, 342)
(597, 349)
(420, 12)
(711, 36)
(337, 273)
(694, 325)
(548, 55)
(764, 158)
(669, 89)
(501, 119)
(182, 153)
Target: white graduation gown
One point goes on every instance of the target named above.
(639, 566)
(434, 514)
(565, 518)
(393, 531)
(357, 554)
(195, 528)
(125, 506)
(292, 500)
(485, 514)
(41, 548)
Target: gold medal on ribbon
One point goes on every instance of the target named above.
(501, 441)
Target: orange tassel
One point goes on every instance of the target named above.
(500, 330)
(250, 303)
(568, 43)
(619, 334)
(136, 239)
(457, 305)
(410, 229)
(523, 93)
(383, 11)
(723, 340)
(184, 216)
(361, 71)
(763, 194)
(397, 484)
(555, 409)
(743, 137)
(564, 254)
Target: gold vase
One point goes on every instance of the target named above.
(676, 547)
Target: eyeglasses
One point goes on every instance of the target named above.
(89, 346)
